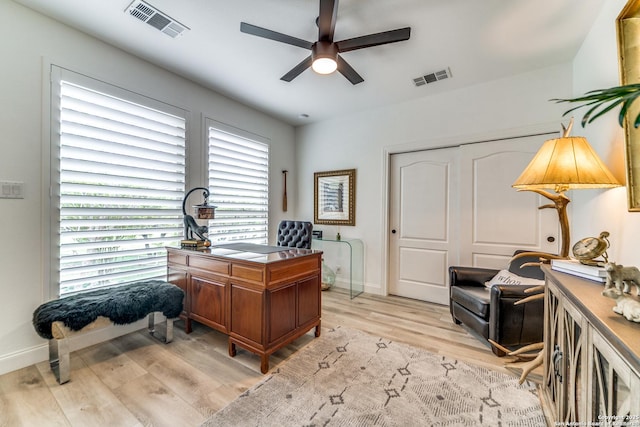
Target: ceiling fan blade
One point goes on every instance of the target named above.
(327, 19)
(273, 35)
(348, 71)
(376, 39)
(297, 70)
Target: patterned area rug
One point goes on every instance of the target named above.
(349, 378)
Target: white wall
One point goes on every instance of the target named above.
(596, 67)
(28, 42)
(503, 107)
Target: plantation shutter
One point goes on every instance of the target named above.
(122, 179)
(239, 186)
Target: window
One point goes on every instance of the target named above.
(239, 185)
(121, 163)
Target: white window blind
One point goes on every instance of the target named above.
(239, 187)
(122, 179)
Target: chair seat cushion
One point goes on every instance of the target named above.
(476, 299)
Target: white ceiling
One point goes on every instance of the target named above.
(479, 40)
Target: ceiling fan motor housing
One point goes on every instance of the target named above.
(324, 55)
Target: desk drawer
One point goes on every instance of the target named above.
(293, 269)
(177, 258)
(208, 264)
(247, 273)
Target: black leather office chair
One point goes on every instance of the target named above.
(491, 312)
(294, 234)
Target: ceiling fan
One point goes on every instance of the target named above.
(325, 58)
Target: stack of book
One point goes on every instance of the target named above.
(575, 267)
(193, 244)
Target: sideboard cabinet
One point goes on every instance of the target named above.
(591, 356)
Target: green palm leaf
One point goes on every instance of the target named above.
(601, 101)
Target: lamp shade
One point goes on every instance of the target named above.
(565, 163)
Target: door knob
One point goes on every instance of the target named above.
(393, 231)
(551, 239)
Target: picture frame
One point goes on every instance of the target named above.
(334, 195)
(629, 61)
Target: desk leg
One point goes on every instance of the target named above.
(317, 332)
(232, 349)
(187, 326)
(264, 363)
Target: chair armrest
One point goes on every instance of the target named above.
(517, 292)
(470, 276)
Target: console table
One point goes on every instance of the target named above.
(263, 297)
(332, 249)
(591, 356)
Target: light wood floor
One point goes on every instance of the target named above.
(135, 380)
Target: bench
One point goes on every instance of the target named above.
(63, 318)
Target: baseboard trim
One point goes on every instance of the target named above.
(40, 353)
(368, 288)
(21, 359)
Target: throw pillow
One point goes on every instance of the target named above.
(505, 277)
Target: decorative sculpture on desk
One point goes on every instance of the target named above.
(192, 230)
(622, 277)
(618, 287)
(626, 305)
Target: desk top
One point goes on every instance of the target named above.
(252, 252)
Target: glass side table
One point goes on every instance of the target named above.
(341, 255)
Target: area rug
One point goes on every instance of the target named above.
(350, 378)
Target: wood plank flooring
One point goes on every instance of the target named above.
(135, 380)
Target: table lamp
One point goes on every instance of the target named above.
(563, 164)
(191, 227)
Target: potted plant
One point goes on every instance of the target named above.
(602, 101)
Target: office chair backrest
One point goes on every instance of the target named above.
(294, 234)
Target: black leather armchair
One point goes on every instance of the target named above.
(491, 312)
(294, 234)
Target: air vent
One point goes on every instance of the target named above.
(432, 77)
(158, 20)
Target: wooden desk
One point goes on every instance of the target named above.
(263, 301)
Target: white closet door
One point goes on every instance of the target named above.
(423, 220)
(456, 206)
(495, 219)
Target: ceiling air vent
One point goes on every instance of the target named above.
(158, 20)
(432, 77)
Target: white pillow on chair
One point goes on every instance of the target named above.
(505, 277)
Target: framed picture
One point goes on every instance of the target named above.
(629, 60)
(334, 195)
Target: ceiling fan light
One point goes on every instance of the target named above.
(324, 55)
(324, 65)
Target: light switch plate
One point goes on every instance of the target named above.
(11, 190)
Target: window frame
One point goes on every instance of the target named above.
(244, 134)
(54, 74)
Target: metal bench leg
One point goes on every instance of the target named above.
(59, 359)
(168, 336)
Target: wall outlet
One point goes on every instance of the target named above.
(11, 190)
